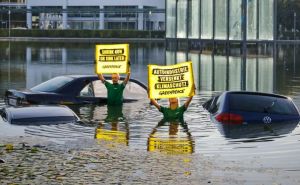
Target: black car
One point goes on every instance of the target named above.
(72, 89)
(242, 107)
(38, 115)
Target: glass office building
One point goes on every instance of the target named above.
(83, 14)
(228, 20)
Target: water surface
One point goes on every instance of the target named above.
(24, 65)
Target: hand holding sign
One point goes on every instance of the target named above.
(113, 58)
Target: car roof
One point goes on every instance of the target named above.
(16, 114)
(108, 77)
(256, 93)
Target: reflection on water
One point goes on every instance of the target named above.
(114, 129)
(171, 138)
(135, 125)
(29, 64)
(259, 130)
(221, 73)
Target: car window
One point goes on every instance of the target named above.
(87, 91)
(219, 101)
(132, 90)
(262, 104)
(53, 84)
(214, 105)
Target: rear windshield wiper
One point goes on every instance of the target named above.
(267, 108)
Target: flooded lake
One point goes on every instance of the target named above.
(203, 149)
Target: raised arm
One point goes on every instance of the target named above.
(101, 77)
(154, 102)
(188, 101)
(127, 77)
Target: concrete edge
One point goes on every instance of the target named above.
(88, 40)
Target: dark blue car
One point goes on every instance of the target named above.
(257, 130)
(72, 89)
(241, 107)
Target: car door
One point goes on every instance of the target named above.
(87, 95)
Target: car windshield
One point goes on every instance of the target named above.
(53, 84)
(262, 104)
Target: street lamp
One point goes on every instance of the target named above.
(295, 16)
(9, 19)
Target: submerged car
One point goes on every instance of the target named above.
(72, 89)
(257, 130)
(242, 107)
(38, 115)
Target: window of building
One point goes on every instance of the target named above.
(13, 1)
(120, 25)
(251, 74)
(83, 11)
(266, 19)
(194, 57)
(251, 19)
(194, 19)
(180, 57)
(235, 20)
(206, 72)
(181, 18)
(220, 73)
(170, 57)
(265, 74)
(207, 19)
(221, 19)
(120, 11)
(171, 18)
(235, 74)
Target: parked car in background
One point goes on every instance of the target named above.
(242, 107)
(72, 89)
(38, 115)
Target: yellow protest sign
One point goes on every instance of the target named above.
(112, 58)
(111, 135)
(171, 81)
(170, 145)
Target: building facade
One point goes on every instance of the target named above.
(221, 20)
(87, 14)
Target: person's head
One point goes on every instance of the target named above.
(174, 102)
(115, 77)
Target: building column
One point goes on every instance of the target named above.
(29, 18)
(64, 17)
(101, 18)
(64, 58)
(28, 55)
(155, 26)
(29, 75)
(141, 19)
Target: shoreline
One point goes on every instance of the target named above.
(87, 40)
(87, 161)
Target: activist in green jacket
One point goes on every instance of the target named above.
(173, 112)
(115, 89)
